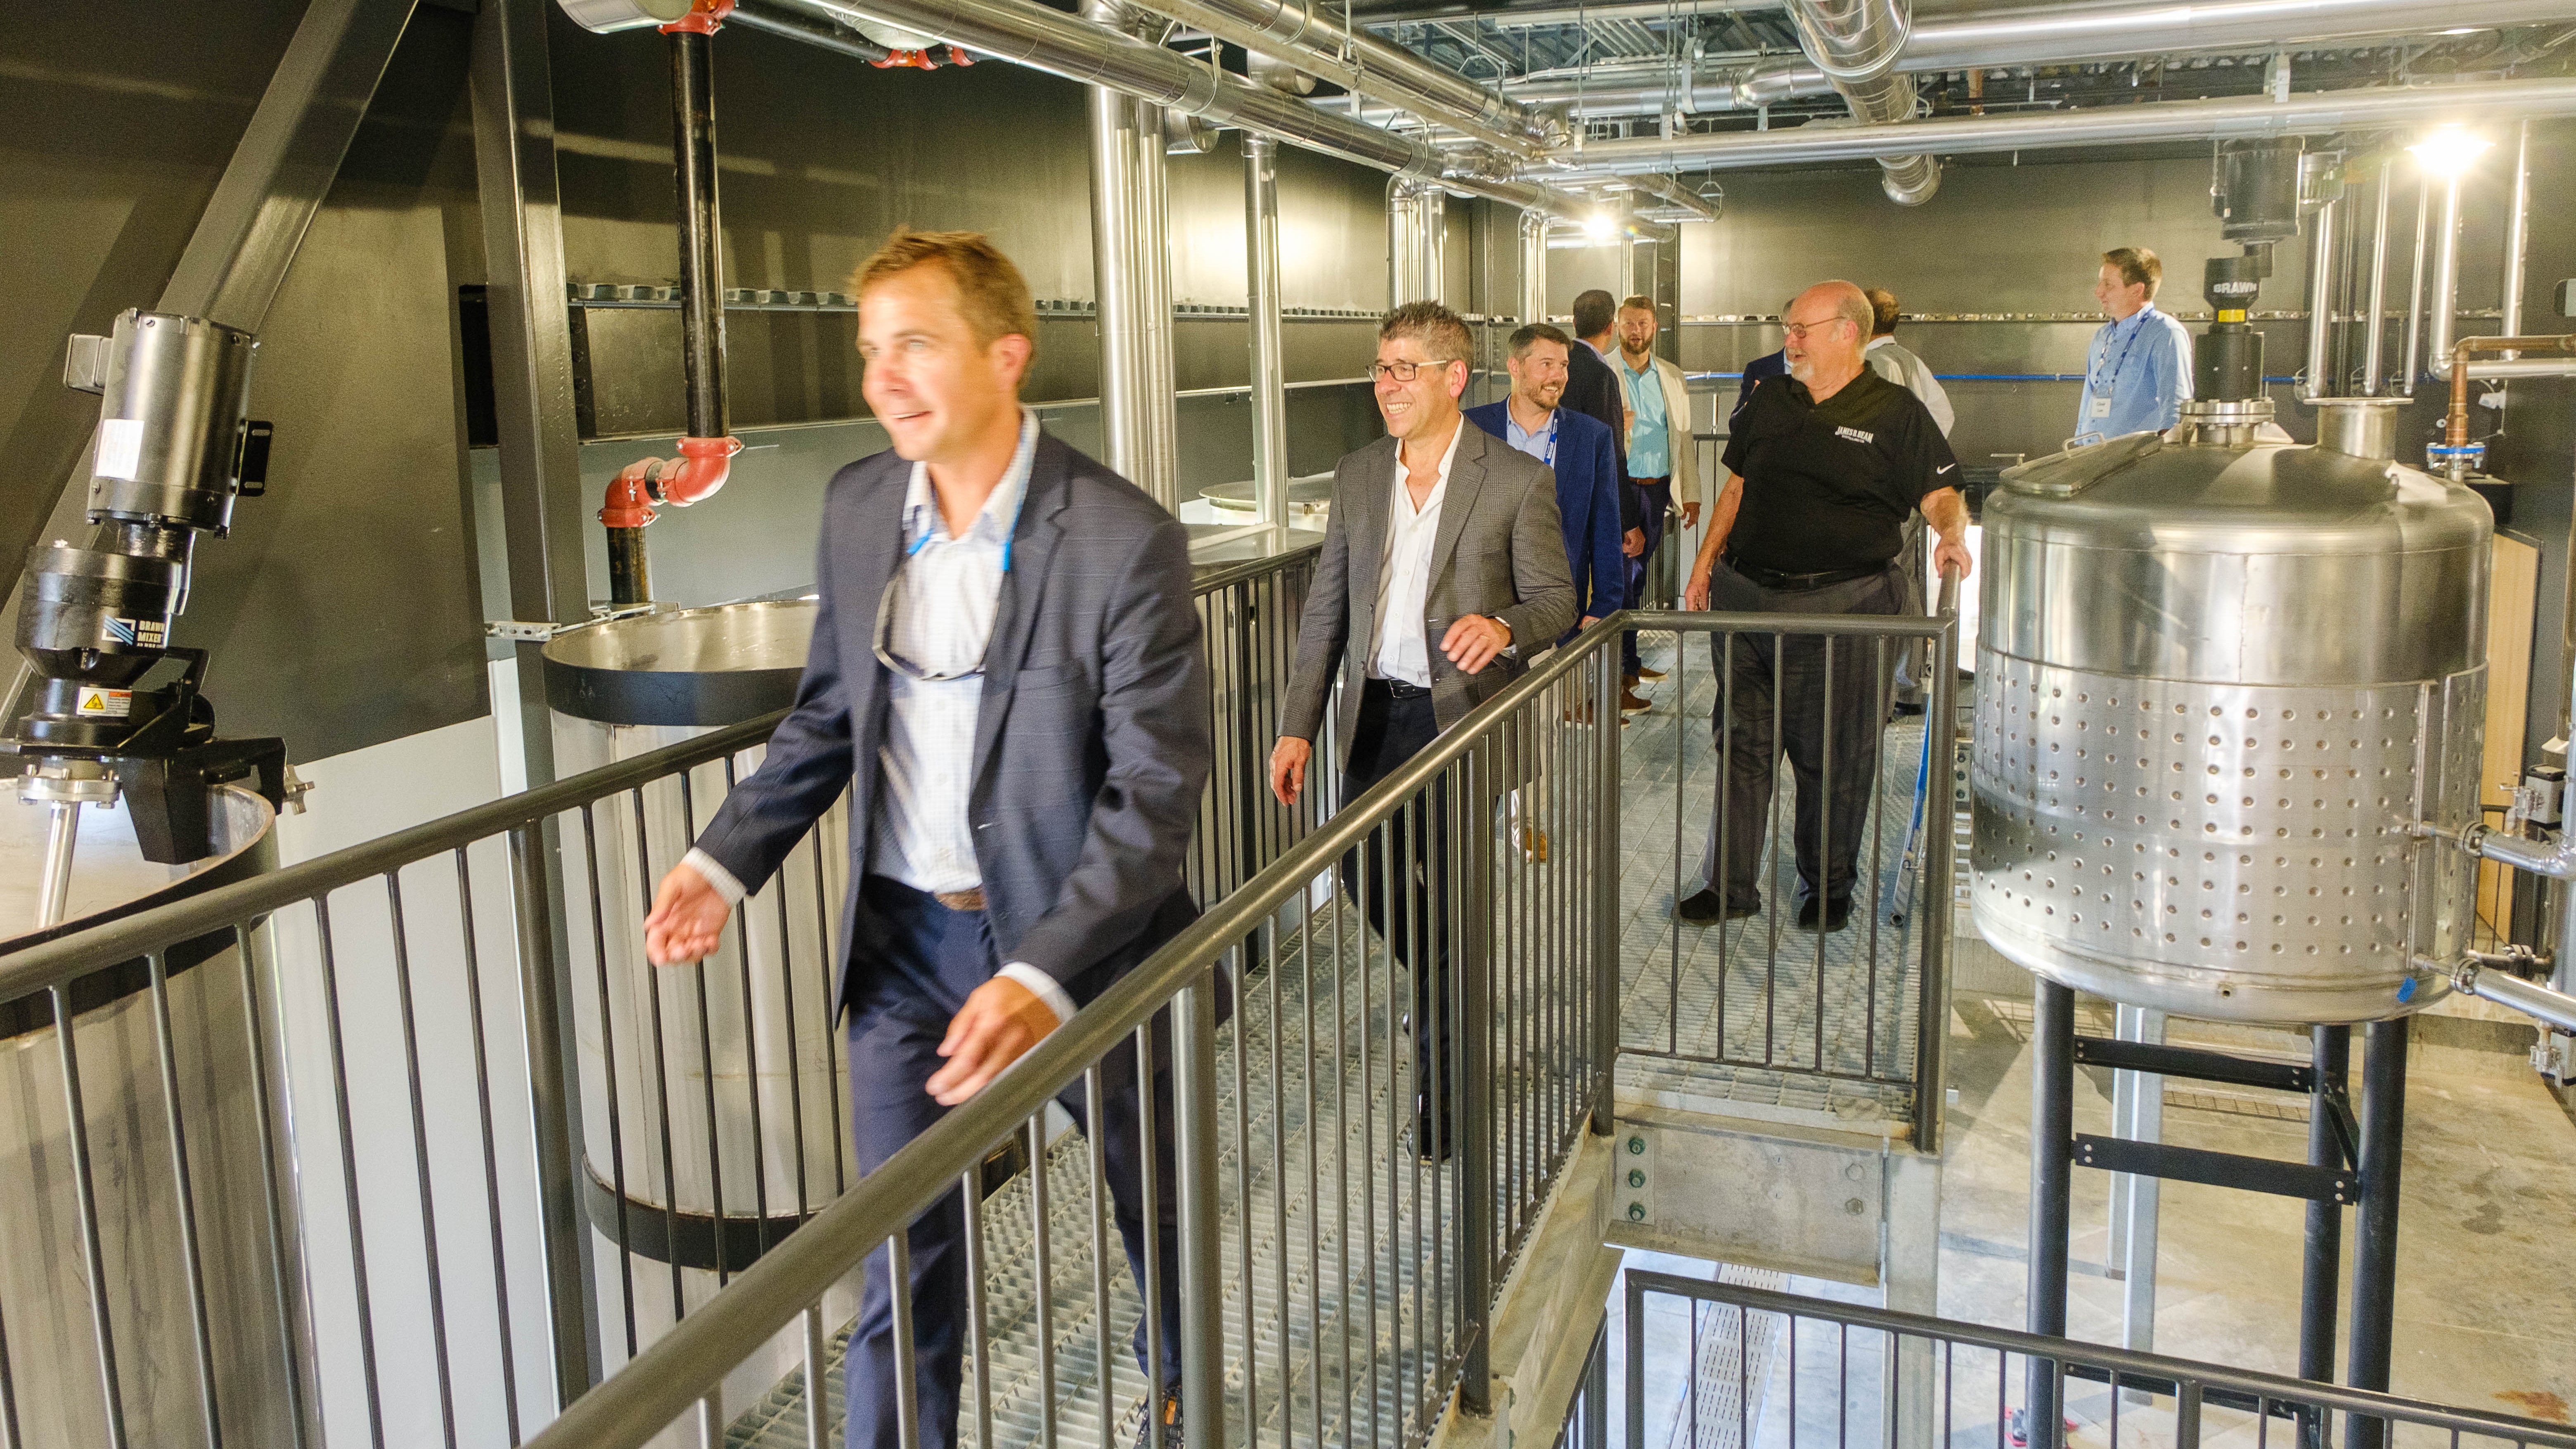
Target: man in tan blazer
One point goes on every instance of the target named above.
(1443, 570)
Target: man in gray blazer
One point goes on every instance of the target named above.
(1006, 677)
(1443, 569)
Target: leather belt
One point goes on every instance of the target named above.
(1652, 482)
(972, 900)
(1398, 689)
(1789, 583)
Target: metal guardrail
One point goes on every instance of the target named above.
(1794, 1372)
(329, 1168)
(585, 1164)
(1780, 990)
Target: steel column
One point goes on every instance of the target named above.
(1131, 278)
(532, 366)
(554, 1117)
(2374, 1228)
(1152, 262)
(1416, 242)
(1533, 305)
(2137, 1113)
(2517, 232)
(1270, 469)
(2052, 1144)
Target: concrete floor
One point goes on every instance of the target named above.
(2487, 1229)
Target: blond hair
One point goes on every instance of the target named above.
(991, 293)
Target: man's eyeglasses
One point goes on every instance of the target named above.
(1404, 371)
(885, 635)
(1798, 330)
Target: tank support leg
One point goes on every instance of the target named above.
(2321, 1275)
(2052, 1171)
(2374, 1252)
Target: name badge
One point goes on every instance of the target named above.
(2099, 407)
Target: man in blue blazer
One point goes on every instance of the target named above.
(1006, 677)
(1581, 452)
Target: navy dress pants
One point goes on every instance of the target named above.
(1658, 496)
(919, 972)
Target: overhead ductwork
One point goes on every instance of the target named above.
(2315, 114)
(1315, 42)
(1856, 43)
(1032, 35)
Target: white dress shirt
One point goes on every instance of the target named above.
(940, 619)
(1404, 574)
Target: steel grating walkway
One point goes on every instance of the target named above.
(1374, 1271)
(1731, 1013)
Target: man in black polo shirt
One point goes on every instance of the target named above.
(1822, 468)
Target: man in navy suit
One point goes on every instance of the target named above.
(1581, 453)
(1006, 678)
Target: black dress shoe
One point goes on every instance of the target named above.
(1837, 915)
(1707, 908)
(1909, 706)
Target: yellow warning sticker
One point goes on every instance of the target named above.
(106, 703)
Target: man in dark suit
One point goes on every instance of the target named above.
(1006, 677)
(1577, 449)
(1592, 388)
(1436, 521)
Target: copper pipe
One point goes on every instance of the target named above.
(2455, 428)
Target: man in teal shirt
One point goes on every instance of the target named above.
(1659, 449)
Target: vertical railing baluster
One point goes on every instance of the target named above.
(751, 1059)
(420, 1159)
(282, 1293)
(349, 1171)
(483, 1121)
(707, 1074)
(552, 1111)
(85, 1195)
(661, 1075)
(1194, 1123)
(979, 1344)
(201, 1334)
(608, 1073)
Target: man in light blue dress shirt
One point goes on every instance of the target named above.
(2137, 373)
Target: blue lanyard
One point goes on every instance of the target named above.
(2107, 389)
(1008, 539)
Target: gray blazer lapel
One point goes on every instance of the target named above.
(1466, 480)
(1033, 550)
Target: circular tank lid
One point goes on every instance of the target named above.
(110, 877)
(712, 666)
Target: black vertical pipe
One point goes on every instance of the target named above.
(2321, 1275)
(2052, 1174)
(2374, 1251)
(693, 119)
(630, 568)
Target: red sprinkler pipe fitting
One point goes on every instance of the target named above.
(906, 60)
(704, 18)
(701, 469)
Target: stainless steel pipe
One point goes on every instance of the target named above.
(1856, 43)
(2517, 230)
(1268, 366)
(2374, 336)
(2415, 287)
(1043, 39)
(1313, 39)
(2442, 299)
(1533, 306)
(2321, 305)
(2307, 114)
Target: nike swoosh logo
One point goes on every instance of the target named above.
(1946, 467)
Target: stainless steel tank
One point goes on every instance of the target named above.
(2220, 680)
(227, 1056)
(724, 1076)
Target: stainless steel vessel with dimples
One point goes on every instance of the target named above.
(2220, 679)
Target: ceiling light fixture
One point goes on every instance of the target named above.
(2450, 151)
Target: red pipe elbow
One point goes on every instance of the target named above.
(703, 18)
(629, 502)
(701, 469)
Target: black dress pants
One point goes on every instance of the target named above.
(1812, 699)
(1400, 875)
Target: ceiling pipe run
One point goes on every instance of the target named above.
(1032, 35)
(2319, 113)
(2024, 35)
(1856, 43)
(1315, 42)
